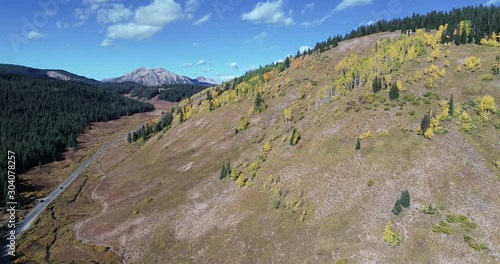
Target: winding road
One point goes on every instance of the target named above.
(33, 215)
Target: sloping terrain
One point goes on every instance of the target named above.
(314, 198)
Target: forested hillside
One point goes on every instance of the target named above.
(41, 117)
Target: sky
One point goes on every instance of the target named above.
(217, 39)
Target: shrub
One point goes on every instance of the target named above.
(101, 249)
(135, 212)
(473, 243)
(366, 135)
(148, 200)
(442, 227)
(267, 147)
(412, 112)
(428, 209)
(370, 183)
(242, 125)
(294, 139)
(472, 64)
(390, 236)
(487, 77)
(241, 180)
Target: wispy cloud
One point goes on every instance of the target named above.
(308, 8)
(258, 38)
(115, 13)
(269, 13)
(35, 35)
(234, 65)
(350, 3)
(492, 2)
(187, 65)
(203, 20)
(106, 43)
(317, 22)
(201, 62)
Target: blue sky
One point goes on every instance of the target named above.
(217, 39)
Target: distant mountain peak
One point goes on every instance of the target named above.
(159, 77)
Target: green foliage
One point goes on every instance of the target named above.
(370, 183)
(451, 106)
(474, 244)
(358, 144)
(148, 200)
(442, 227)
(405, 199)
(259, 104)
(235, 173)
(341, 261)
(376, 85)
(242, 125)
(294, 139)
(425, 123)
(135, 211)
(428, 209)
(466, 224)
(391, 237)
(397, 208)
(241, 181)
(394, 92)
(276, 204)
(225, 171)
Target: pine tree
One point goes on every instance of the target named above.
(397, 208)
(394, 92)
(181, 116)
(405, 199)
(376, 85)
(129, 138)
(451, 106)
(72, 142)
(223, 173)
(425, 123)
(358, 144)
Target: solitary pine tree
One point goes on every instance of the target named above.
(405, 199)
(451, 105)
(394, 92)
(358, 144)
(397, 208)
(223, 172)
(129, 138)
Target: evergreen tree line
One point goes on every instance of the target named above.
(175, 93)
(40, 117)
(483, 21)
(121, 88)
(147, 130)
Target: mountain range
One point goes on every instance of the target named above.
(159, 77)
(144, 76)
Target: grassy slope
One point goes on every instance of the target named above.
(195, 217)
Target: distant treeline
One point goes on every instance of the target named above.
(40, 117)
(175, 93)
(485, 20)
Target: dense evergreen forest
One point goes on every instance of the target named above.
(483, 21)
(40, 117)
(175, 93)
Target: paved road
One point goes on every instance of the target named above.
(32, 216)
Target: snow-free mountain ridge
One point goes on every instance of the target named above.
(159, 77)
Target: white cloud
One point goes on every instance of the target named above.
(224, 78)
(207, 70)
(106, 43)
(201, 62)
(117, 13)
(203, 20)
(304, 48)
(131, 31)
(349, 3)
(317, 22)
(61, 24)
(270, 13)
(35, 35)
(492, 2)
(187, 65)
(191, 7)
(234, 65)
(159, 13)
(307, 8)
(258, 38)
